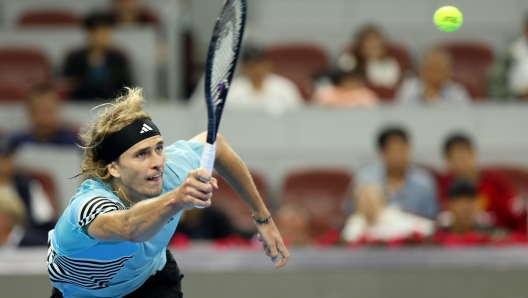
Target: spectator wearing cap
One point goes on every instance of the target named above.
(348, 90)
(259, 88)
(16, 187)
(374, 220)
(433, 86)
(97, 71)
(404, 184)
(497, 198)
(45, 126)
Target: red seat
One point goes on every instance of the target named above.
(299, 63)
(48, 17)
(13, 92)
(228, 201)
(47, 183)
(518, 176)
(23, 67)
(322, 192)
(401, 54)
(471, 61)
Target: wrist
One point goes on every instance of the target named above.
(263, 221)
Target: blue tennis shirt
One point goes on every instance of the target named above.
(80, 266)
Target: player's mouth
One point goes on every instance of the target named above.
(156, 177)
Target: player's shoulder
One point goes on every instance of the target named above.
(93, 195)
(183, 147)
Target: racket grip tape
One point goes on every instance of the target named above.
(208, 157)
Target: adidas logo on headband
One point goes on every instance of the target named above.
(145, 128)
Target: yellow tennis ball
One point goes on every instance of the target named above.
(448, 18)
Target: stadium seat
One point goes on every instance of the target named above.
(518, 176)
(47, 183)
(52, 17)
(229, 202)
(22, 67)
(401, 54)
(299, 63)
(322, 192)
(13, 92)
(471, 61)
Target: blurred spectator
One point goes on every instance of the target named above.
(509, 77)
(434, 85)
(132, 13)
(348, 90)
(373, 220)
(97, 71)
(43, 108)
(12, 218)
(205, 224)
(293, 222)
(39, 213)
(259, 88)
(369, 55)
(405, 185)
(462, 208)
(497, 198)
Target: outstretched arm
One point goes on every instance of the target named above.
(145, 219)
(229, 165)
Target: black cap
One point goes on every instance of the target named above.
(252, 53)
(461, 188)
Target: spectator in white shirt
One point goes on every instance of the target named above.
(374, 220)
(434, 85)
(259, 88)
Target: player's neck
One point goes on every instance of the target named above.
(124, 195)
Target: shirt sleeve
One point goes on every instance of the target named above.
(87, 210)
(182, 157)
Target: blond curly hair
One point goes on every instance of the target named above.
(111, 118)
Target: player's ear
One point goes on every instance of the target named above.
(113, 169)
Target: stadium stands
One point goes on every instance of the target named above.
(322, 192)
(299, 63)
(48, 18)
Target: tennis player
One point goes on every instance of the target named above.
(111, 239)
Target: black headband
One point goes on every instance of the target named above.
(127, 137)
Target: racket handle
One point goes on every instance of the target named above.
(208, 157)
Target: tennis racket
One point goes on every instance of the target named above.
(219, 68)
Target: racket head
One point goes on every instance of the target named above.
(222, 57)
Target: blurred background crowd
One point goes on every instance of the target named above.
(61, 57)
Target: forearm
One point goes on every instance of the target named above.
(229, 165)
(138, 224)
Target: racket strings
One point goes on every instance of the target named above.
(226, 47)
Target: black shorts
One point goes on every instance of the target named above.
(164, 284)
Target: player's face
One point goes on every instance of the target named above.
(141, 169)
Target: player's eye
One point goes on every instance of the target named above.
(141, 154)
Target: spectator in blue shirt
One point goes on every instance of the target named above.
(406, 185)
(434, 85)
(45, 127)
